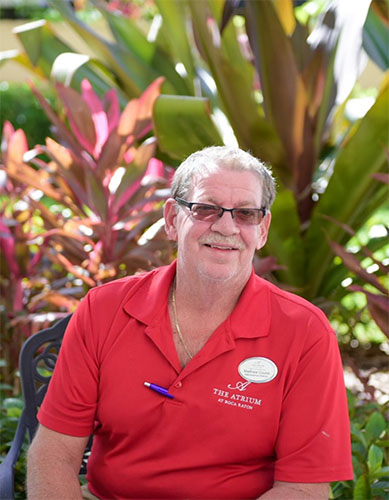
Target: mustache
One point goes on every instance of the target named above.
(217, 239)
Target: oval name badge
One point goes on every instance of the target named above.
(258, 370)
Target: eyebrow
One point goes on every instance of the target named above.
(240, 205)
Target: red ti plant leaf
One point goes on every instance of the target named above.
(382, 177)
(99, 117)
(378, 306)
(145, 108)
(112, 107)
(364, 249)
(8, 132)
(79, 116)
(7, 245)
(66, 263)
(64, 133)
(54, 298)
(355, 266)
(95, 258)
(17, 147)
(155, 172)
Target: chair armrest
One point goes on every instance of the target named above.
(8, 464)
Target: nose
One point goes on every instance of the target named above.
(225, 225)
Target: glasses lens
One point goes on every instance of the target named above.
(202, 211)
(248, 215)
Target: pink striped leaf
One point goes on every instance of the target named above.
(112, 108)
(79, 116)
(99, 116)
(7, 244)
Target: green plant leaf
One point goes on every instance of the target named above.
(133, 73)
(384, 472)
(284, 239)
(234, 78)
(374, 459)
(375, 426)
(362, 489)
(284, 93)
(13, 403)
(129, 35)
(20, 58)
(41, 44)
(375, 39)
(380, 489)
(357, 434)
(350, 189)
(183, 125)
(384, 443)
(174, 27)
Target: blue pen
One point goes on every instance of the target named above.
(158, 388)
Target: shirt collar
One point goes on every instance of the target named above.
(150, 296)
(249, 319)
(251, 316)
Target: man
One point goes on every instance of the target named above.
(200, 379)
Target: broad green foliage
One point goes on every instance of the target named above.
(251, 73)
(10, 411)
(279, 85)
(370, 448)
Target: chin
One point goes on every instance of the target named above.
(222, 274)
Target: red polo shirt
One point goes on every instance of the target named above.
(263, 400)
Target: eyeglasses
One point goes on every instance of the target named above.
(210, 213)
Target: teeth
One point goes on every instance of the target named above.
(221, 248)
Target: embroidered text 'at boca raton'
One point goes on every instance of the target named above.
(233, 399)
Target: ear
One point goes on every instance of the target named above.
(170, 215)
(263, 231)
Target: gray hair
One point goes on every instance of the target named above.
(208, 159)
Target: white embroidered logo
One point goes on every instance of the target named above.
(241, 386)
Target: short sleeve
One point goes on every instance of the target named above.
(70, 404)
(313, 443)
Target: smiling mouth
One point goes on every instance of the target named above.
(218, 247)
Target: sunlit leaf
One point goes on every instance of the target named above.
(175, 28)
(284, 9)
(375, 39)
(183, 125)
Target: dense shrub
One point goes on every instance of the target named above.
(19, 106)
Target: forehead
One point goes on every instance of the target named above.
(225, 185)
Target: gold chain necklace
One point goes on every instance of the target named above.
(177, 325)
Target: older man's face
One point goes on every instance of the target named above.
(222, 250)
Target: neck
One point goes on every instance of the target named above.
(202, 294)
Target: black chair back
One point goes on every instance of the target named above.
(36, 364)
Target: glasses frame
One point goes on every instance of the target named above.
(189, 204)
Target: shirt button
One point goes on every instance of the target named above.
(178, 385)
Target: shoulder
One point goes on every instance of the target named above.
(292, 308)
(120, 290)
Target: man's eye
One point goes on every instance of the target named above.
(204, 209)
(246, 214)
